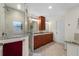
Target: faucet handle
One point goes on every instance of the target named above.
(3, 34)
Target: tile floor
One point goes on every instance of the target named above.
(51, 49)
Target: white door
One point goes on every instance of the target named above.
(60, 31)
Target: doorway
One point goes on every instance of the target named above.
(60, 31)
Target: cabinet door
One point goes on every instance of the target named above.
(47, 38)
(12, 49)
(41, 23)
(71, 50)
(41, 40)
(37, 41)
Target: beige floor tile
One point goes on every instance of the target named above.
(51, 49)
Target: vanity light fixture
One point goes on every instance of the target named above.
(50, 7)
(34, 20)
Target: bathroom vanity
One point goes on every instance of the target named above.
(14, 47)
(41, 39)
(72, 46)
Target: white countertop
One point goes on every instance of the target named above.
(41, 33)
(12, 40)
(74, 42)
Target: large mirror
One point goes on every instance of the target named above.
(15, 20)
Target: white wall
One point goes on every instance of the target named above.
(50, 26)
(71, 18)
(53, 28)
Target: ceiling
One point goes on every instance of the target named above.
(14, 5)
(58, 9)
(41, 9)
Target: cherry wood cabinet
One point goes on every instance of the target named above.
(40, 40)
(41, 23)
(12, 49)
